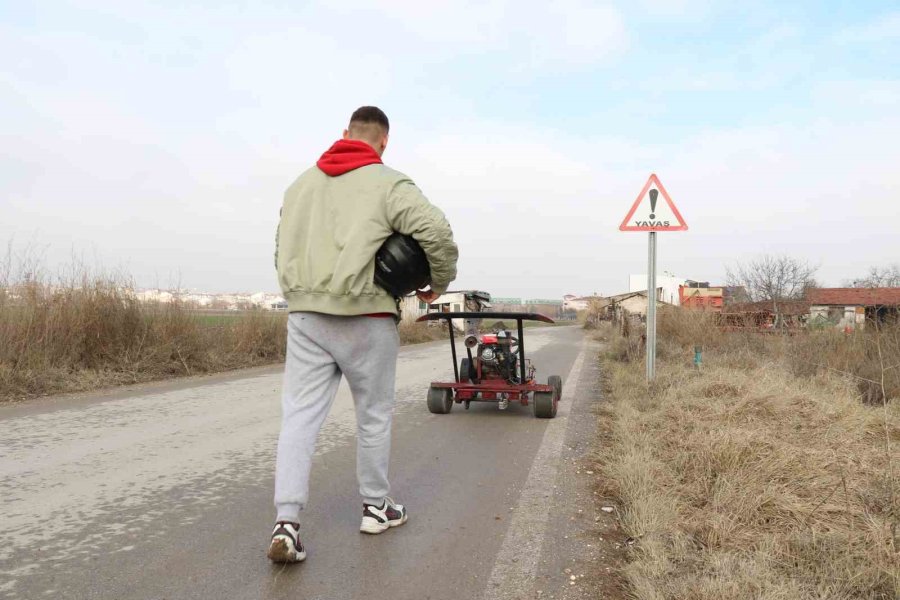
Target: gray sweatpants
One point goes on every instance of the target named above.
(320, 349)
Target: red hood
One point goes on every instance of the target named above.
(346, 155)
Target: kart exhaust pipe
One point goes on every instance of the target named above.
(471, 341)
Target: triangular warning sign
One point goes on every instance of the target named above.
(653, 210)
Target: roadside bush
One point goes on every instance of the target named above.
(603, 332)
(417, 333)
(591, 316)
(82, 333)
(750, 483)
(625, 348)
(871, 358)
(688, 328)
(85, 330)
(763, 475)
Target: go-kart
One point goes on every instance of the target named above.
(495, 368)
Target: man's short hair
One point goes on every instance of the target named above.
(365, 119)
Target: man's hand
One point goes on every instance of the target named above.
(427, 296)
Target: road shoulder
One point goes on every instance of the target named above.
(560, 543)
(587, 549)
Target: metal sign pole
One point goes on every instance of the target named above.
(651, 308)
(650, 214)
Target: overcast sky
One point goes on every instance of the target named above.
(159, 137)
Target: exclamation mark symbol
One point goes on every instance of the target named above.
(653, 195)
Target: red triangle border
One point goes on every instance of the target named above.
(682, 226)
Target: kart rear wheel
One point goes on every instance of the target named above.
(465, 367)
(440, 400)
(556, 382)
(546, 403)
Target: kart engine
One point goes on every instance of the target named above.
(497, 355)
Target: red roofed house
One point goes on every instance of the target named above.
(850, 308)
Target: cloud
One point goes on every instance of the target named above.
(574, 33)
(533, 200)
(884, 27)
(860, 94)
(676, 9)
(533, 36)
(747, 66)
(172, 151)
(535, 210)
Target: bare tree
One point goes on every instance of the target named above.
(773, 277)
(883, 277)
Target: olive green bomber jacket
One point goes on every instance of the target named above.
(331, 227)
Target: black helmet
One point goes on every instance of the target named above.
(401, 266)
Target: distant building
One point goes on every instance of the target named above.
(572, 302)
(197, 300)
(507, 301)
(161, 296)
(508, 304)
(550, 307)
(668, 284)
(850, 308)
(680, 291)
(617, 307)
(452, 301)
(701, 295)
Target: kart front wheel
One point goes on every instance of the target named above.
(440, 400)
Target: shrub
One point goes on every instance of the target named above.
(90, 330)
(763, 475)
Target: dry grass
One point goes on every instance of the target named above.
(871, 358)
(417, 333)
(83, 330)
(65, 338)
(751, 480)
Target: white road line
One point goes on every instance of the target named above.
(516, 565)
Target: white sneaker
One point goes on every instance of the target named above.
(285, 546)
(378, 520)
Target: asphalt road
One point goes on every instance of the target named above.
(165, 491)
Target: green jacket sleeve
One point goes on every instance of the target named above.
(410, 213)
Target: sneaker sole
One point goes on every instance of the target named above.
(373, 527)
(280, 552)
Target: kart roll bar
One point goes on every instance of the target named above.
(518, 317)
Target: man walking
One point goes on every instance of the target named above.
(334, 218)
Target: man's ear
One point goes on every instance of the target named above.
(346, 135)
(384, 142)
